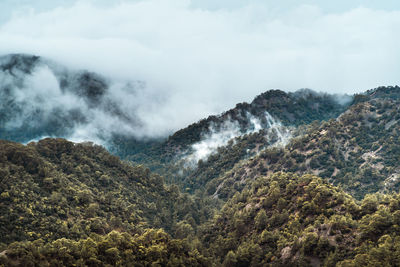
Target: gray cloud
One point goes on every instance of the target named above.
(198, 58)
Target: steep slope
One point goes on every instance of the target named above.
(57, 189)
(40, 98)
(75, 204)
(358, 151)
(280, 220)
(292, 109)
(196, 174)
(288, 220)
(206, 149)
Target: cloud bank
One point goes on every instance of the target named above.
(198, 59)
(39, 98)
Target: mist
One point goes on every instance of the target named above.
(40, 98)
(275, 134)
(189, 59)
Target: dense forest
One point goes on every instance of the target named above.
(304, 179)
(357, 151)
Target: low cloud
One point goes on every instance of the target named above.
(40, 98)
(195, 61)
(220, 135)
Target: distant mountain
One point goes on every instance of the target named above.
(292, 109)
(358, 151)
(39, 98)
(269, 118)
(382, 92)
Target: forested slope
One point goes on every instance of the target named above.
(291, 220)
(280, 220)
(290, 179)
(292, 109)
(55, 188)
(359, 151)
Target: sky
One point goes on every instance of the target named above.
(201, 57)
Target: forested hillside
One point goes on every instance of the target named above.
(78, 204)
(358, 151)
(291, 109)
(290, 179)
(300, 107)
(280, 220)
(269, 120)
(291, 220)
(57, 189)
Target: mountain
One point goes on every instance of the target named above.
(279, 220)
(292, 109)
(290, 179)
(357, 151)
(300, 107)
(40, 98)
(55, 188)
(291, 220)
(78, 204)
(270, 119)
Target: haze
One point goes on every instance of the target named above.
(198, 58)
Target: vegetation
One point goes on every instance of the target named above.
(330, 197)
(57, 189)
(290, 220)
(301, 107)
(281, 220)
(358, 151)
(150, 248)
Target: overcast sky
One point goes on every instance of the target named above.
(203, 56)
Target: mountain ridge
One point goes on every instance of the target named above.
(289, 179)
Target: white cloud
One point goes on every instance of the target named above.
(198, 59)
(275, 133)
